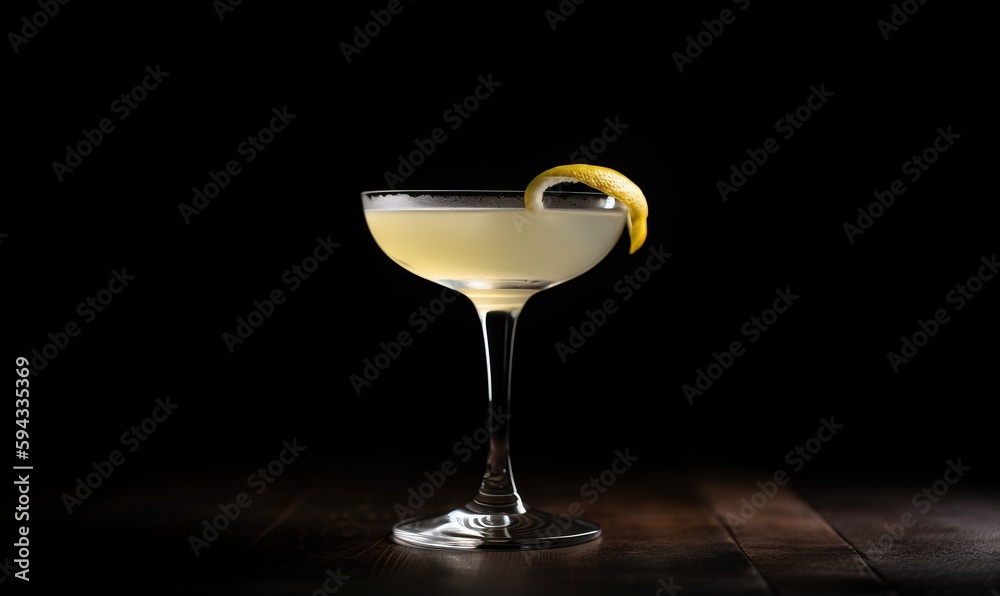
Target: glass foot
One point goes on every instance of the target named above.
(463, 529)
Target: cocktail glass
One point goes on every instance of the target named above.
(486, 246)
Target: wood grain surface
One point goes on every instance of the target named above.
(688, 532)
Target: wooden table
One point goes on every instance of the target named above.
(687, 531)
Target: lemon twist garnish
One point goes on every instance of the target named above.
(606, 180)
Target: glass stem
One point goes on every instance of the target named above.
(497, 493)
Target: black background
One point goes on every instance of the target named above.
(825, 357)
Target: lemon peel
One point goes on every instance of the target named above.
(612, 182)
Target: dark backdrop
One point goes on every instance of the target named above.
(547, 87)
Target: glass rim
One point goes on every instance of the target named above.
(474, 191)
(489, 199)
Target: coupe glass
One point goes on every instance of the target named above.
(486, 246)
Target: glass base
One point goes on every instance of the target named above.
(463, 529)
